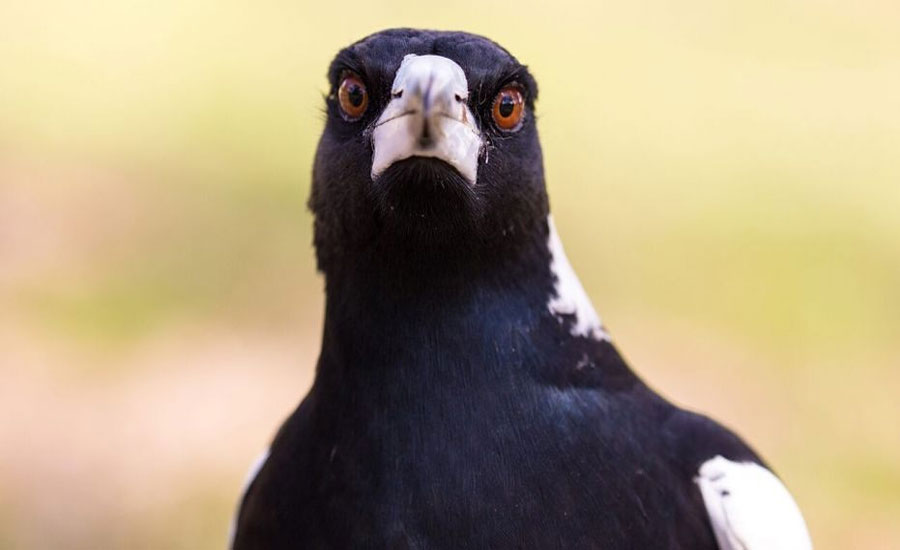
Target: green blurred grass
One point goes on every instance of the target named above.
(725, 177)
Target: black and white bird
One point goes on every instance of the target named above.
(467, 394)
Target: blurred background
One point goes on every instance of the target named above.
(725, 176)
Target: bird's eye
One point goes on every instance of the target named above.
(508, 108)
(352, 97)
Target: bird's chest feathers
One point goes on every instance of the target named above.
(448, 408)
(462, 450)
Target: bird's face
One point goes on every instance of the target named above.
(430, 139)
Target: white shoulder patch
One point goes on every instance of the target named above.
(251, 475)
(570, 297)
(749, 508)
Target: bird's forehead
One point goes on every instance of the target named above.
(380, 55)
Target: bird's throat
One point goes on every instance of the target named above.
(386, 313)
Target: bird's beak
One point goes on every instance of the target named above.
(428, 116)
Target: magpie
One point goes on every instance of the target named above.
(467, 395)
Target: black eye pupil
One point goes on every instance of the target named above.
(356, 95)
(507, 105)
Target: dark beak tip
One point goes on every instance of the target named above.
(426, 141)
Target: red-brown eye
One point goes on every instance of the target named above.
(508, 108)
(352, 97)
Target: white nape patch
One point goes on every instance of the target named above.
(749, 508)
(251, 475)
(428, 99)
(570, 297)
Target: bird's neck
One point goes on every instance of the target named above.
(467, 316)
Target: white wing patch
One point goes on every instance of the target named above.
(570, 297)
(251, 475)
(749, 508)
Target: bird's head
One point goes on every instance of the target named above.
(429, 147)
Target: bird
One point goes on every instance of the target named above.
(467, 394)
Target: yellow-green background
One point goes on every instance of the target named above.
(725, 176)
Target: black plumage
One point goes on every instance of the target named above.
(451, 408)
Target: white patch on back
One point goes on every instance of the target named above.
(570, 297)
(251, 475)
(749, 508)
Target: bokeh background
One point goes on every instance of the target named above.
(725, 176)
